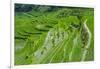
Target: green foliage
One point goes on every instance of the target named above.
(64, 13)
(43, 36)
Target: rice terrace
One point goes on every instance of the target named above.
(46, 34)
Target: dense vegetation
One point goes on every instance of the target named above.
(53, 34)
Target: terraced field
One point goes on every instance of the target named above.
(54, 35)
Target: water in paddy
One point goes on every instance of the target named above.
(19, 44)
